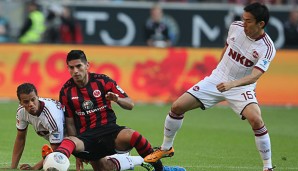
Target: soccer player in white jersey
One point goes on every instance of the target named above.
(45, 115)
(246, 56)
(47, 118)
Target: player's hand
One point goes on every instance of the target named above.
(222, 87)
(26, 167)
(112, 96)
(80, 164)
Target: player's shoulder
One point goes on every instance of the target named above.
(69, 83)
(48, 101)
(237, 24)
(267, 44)
(236, 27)
(51, 104)
(267, 39)
(97, 76)
(20, 110)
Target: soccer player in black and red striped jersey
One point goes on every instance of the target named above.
(91, 121)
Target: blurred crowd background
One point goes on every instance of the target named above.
(159, 23)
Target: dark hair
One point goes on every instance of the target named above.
(259, 11)
(76, 54)
(25, 88)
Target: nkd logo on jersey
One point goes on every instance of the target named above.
(241, 59)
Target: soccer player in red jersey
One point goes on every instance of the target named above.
(91, 121)
(47, 118)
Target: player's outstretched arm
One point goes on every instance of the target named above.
(38, 165)
(18, 148)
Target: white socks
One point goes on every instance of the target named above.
(170, 129)
(264, 148)
(127, 162)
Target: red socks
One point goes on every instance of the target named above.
(141, 144)
(66, 147)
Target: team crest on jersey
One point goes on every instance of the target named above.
(255, 54)
(96, 93)
(87, 105)
(196, 88)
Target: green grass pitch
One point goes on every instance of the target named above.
(211, 140)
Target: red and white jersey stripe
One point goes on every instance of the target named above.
(49, 123)
(243, 54)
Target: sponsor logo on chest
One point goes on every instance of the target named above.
(87, 105)
(241, 59)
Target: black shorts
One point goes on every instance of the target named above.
(99, 142)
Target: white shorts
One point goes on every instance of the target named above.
(238, 97)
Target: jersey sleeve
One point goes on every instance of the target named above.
(56, 122)
(111, 86)
(21, 123)
(56, 136)
(266, 56)
(231, 30)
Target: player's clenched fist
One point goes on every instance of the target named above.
(224, 86)
(112, 96)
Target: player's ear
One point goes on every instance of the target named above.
(88, 65)
(261, 24)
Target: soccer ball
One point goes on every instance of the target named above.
(56, 161)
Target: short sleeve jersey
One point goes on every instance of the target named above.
(49, 123)
(243, 54)
(88, 105)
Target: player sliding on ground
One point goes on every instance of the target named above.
(91, 122)
(47, 118)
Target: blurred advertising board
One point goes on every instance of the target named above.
(149, 75)
(191, 25)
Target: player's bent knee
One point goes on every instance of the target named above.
(177, 108)
(122, 142)
(79, 143)
(256, 122)
(125, 134)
